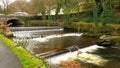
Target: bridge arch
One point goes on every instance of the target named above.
(15, 22)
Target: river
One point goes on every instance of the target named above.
(52, 40)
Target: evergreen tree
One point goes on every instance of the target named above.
(43, 10)
(107, 14)
(57, 10)
(95, 12)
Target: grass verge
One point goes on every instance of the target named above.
(26, 59)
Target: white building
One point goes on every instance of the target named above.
(52, 12)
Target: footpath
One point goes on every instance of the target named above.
(7, 58)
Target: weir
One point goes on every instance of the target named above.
(34, 28)
(58, 52)
(84, 56)
(29, 32)
(63, 53)
(56, 45)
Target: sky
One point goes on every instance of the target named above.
(10, 1)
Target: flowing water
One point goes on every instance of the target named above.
(48, 41)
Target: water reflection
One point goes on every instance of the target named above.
(112, 54)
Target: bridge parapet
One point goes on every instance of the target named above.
(3, 18)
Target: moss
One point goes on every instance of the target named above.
(26, 59)
(93, 35)
(115, 40)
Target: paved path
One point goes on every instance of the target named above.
(7, 58)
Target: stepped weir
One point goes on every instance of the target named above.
(58, 52)
(33, 28)
(27, 32)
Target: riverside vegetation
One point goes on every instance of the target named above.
(26, 59)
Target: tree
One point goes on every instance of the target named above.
(95, 12)
(1, 11)
(49, 6)
(5, 4)
(58, 7)
(36, 5)
(115, 4)
(67, 10)
(19, 6)
(68, 7)
(107, 14)
(86, 5)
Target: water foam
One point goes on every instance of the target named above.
(47, 38)
(85, 57)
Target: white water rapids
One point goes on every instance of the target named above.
(85, 56)
(47, 38)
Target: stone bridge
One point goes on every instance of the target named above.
(11, 19)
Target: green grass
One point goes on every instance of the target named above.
(26, 59)
(100, 24)
(81, 22)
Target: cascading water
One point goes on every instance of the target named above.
(58, 46)
(29, 34)
(43, 39)
(51, 37)
(84, 56)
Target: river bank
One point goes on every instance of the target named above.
(96, 31)
(26, 59)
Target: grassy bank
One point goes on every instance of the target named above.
(26, 59)
(113, 29)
